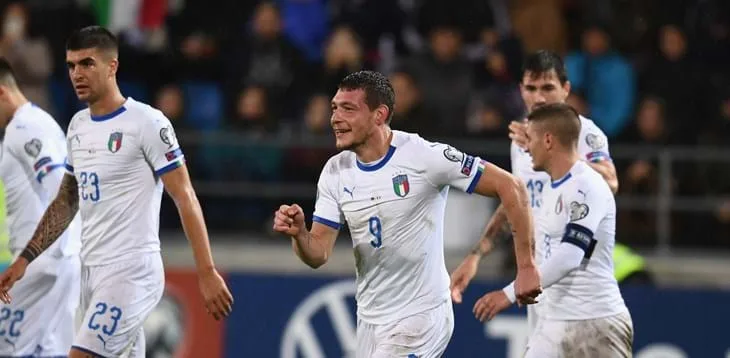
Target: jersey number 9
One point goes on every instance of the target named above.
(376, 230)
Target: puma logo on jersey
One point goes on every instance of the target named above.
(350, 192)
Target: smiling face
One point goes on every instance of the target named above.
(91, 71)
(352, 119)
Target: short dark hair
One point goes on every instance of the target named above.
(92, 37)
(544, 61)
(377, 87)
(560, 119)
(7, 75)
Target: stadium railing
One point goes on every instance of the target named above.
(662, 204)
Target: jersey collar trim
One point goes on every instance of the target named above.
(556, 183)
(108, 116)
(377, 165)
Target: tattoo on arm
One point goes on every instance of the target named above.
(55, 220)
(498, 227)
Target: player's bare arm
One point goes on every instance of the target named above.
(513, 194)
(218, 299)
(314, 247)
(608, 172)
(54, 222)
(465, 272)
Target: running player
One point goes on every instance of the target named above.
(584, 314)
(544, 81)
(121, 155)
(390, 187)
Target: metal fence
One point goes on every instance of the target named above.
(661, 205)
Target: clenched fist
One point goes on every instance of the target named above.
(289, 220)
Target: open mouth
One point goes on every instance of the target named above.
(81, 87)
(341, 131)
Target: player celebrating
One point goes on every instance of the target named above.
(584, 314)
(391, 188)
(121, 153)
(544, 81)
(40, 321)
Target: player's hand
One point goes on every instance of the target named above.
(490, 304)
(13, 273)
(461, 277)
(527, 285)
(218, 299)
(289, 220)
(518, 133)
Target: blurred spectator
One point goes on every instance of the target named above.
(170, 102)
(540, 25)
(605, 78)
(317, 115)
(641, 176)
(268, 59)
(342, 56)
(304, 164)
(497, 100)
(253, 114)
(445, 80)
(409, 114)
(196, 37)
(29, 56)
(673, 76)
(467, 17)
(374, 21)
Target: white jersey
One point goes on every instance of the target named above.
(33, 154)
(117, 160)
(592, 147)
(394, 209)
(580, 209)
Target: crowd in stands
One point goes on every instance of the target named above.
(649, 72)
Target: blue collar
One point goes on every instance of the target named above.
(108, 116)
(556, 183)
(377, 165)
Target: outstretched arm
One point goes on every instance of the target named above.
(55, 220)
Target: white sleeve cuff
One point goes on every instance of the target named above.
(509, 290)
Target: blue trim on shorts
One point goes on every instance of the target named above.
(88, 351)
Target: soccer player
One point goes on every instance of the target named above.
(544, 81)
(584, 314)
(40, 321)
(390, 187)
(120, 155)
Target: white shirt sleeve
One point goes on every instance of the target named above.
(586, 208)
(445, 165)
(160, 146)
(593, 147)
(37, 151)
(326, 209)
